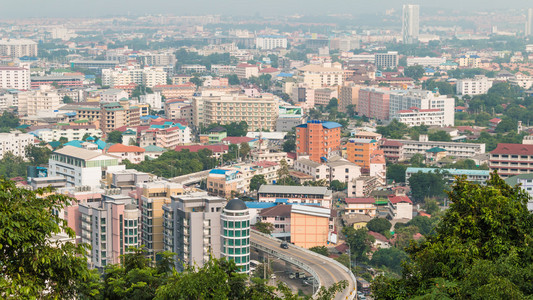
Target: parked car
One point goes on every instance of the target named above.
(284, 245)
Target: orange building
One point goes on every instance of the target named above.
(359, 151)
(311, 226)
(318, 139)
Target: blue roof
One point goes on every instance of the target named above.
(70, 114)
(326, 124)
(74, 143)
(256, 204)
(90, 138)
(285, 75)
(218, 171)
(101, 144)
(451, 171)
(281, 200)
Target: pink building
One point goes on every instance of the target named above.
(374, 103)
(280, 217)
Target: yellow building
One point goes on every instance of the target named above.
(152, 196)
(311, 226)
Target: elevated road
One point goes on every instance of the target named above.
(326, 270)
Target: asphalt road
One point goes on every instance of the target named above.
(328, 273)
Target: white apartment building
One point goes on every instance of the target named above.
(7, 100)
(154, 100)
(70, 132)
(410, 23)
(406, 99)
(81, 167)
(150, 76)
(35, 101)
(18, 48)
(386, 60)
(260, 113)
(193, 68)
(426, 61)
(15, 142)
(158, 59)
(246, 70)
(112, 95)
(15, 78)
(478, 85)
(457, 150)
(522, 80)
(111, 227)
(316, 76)
(416, 117)
(334, 169)
(270, 42)
(167, 138)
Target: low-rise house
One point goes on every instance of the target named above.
(132, 153)
(321, 196)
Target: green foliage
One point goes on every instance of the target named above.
(232, 129)
(256, 182)
(415, 72)
(114, 136)
(264, 81)
(338, 186)
(394, 130)
(491, 141)
(233, 79)
(33, 266)
(197, 81)
(396, 172)
(67, 99)
(189, 58)
(506, 125)
(481, 249)
(8, 121)
(417, 160)
(427, 185)
(391, 258)
(141, 90)
(379, 225)
(359, 240)
(12, 166)
(264, 227)
(173, 163)
(344, 259)
(320, 250)
(333, 103)
(284, 177)
(444, 87)
(289, 145)
(244, 149)
(439, 136)
(38, 155)
(424, 225)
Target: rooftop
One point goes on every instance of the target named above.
(518, 149)
(80, 153)
(288, 189)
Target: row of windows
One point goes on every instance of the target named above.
(236, 224)
(236, 233)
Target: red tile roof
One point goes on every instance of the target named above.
(390, 143)
(378, 236)
(495, 120)
(124, 148)
(280, 210)
(265, 164)
(196, 148)
(517, 149)
(398, 199)
(369, 200)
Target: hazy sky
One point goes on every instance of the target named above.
(91, 8)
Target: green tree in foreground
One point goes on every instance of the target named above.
(481, 249)
(114, 136)
(320, 250)
(264, 227)
(32, 266)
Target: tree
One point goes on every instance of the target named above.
(427, 185)
(432, 207)
(12, 166)
(8, 121)
(506, 125)
(338, 186)
(256, 182)
(233, 79)
(391, 258)
(350, 110)
(244, 149)
(440, 136)
(67, 99)
(379, 225)
(481, 249)
(415, 72)
(417, 160)
(85, 137)
(320, 250)
(197, 81)
(33, 265)
(289, 146)
(359, 240)
(38, 155)
(394, 130)
(333, 104)
(264, 227)
(396, 172)
(114, 136)
(344, 259)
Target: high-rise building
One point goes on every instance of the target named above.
(410, 23)
(386, 60)
(110, 226)
(236, 234)
(14, 78)
(192, 228)
(319, 140)
(529, 22)
(18, 48)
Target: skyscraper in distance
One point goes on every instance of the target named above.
(410, 23)
(529, 22)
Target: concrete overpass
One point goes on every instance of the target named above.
(325, 270)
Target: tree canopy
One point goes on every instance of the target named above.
(114, 136)
(481, 249)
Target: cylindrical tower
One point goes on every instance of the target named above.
(235, 220)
